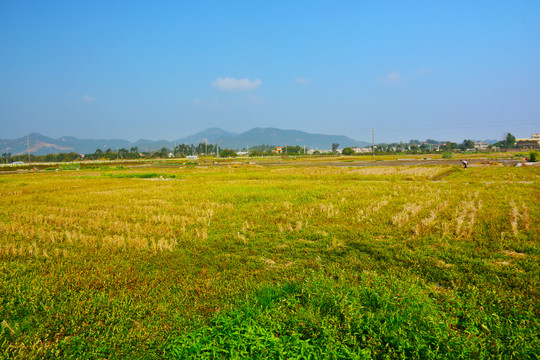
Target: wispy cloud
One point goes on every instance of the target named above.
(301, 80)
(88, 99)
(232, 84)
(423, 71)
(197, 102)
(393, 77)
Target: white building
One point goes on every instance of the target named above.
(362, 150)
(479, 145)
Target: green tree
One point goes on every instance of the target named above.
(510, 141)
(227, 153)
(122, 153)
(256, 153)
(467, 144)
(449, 146)
(347, 151)
(334, 147)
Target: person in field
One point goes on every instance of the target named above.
(464, 163)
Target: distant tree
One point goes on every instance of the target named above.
(182, 150)
(449, 146)
(200, 149)
(162, 153)
(98, 152)
(510, 141)
(467, 144)
(122, 153)
(293, 150)
(334, 147)
(347, 151)
(227, 153)
(66, 157)
(256, 153)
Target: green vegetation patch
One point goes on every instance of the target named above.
(365, 316)
(105, 168)
(70, 166)
(140, 176)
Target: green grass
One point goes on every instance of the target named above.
(361, 316)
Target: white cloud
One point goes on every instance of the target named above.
(197, 102)
(232, 84)
(88, 99)
(302, 81)
(393, 77)
(423, 71)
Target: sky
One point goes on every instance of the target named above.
(444, 70)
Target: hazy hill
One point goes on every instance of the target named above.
(211, 135)
(278, 137)
(41, 144)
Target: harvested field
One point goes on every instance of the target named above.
(273, 261)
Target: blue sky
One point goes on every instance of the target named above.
(167, 69)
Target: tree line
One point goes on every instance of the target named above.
(183, 150)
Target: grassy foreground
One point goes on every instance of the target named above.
(282, 262)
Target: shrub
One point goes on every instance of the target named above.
(448, 155)
(533, 156)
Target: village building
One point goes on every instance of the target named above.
(364, 150)
(531, 143)
(479, 145)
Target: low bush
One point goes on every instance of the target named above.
(448, 155)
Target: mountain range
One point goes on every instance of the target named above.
(40, 144)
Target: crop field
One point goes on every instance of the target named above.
(246, 261)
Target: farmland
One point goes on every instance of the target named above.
(285, 261)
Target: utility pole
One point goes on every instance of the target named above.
(373, 142)
(205, 148)
(247, 149)
(28, 146)
(217, 150)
